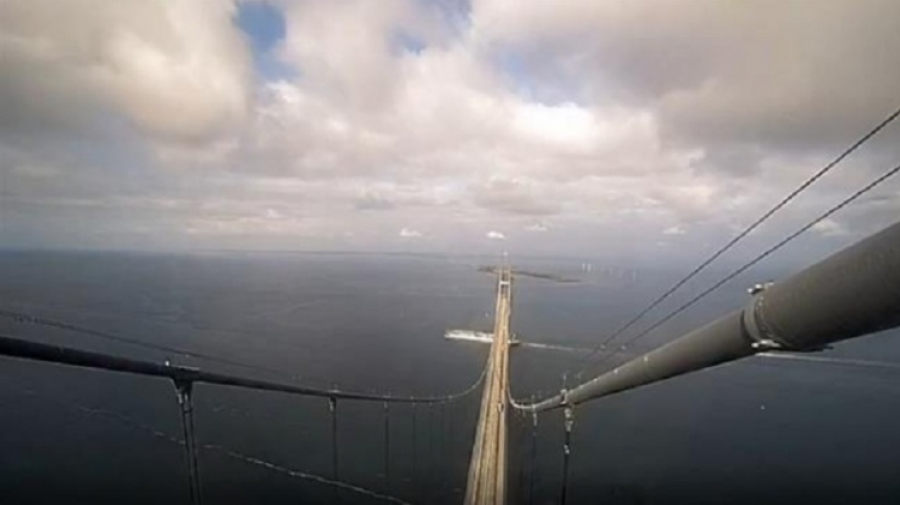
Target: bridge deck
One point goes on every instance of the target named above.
(487, 468)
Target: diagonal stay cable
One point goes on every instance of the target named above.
(731, 243)
(865, 189)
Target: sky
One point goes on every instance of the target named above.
(649, 130)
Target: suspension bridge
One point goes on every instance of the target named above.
(851, 293)
(487, 470)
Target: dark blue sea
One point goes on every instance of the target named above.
(759, 431)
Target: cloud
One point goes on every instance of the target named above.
(495, 235)
(410, 233)
(176, 70)
(830, 228)
(515, 196)
(785, 76)
(152, 124)
(371, 201)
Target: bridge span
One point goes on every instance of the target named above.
(487, 469)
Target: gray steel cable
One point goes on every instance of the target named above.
(731, 243)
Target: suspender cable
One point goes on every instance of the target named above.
(452, 429)
(532, 474)
(443, 452)
(132, 423)
(434, 450)
(183, 389)
(520, 470)
(332, 406)
(428, 458)
(387, 446)
(415, 453)
(569, 421)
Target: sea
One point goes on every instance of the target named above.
(817, 429)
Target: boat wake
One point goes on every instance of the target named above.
(553, 347)
(831, 361)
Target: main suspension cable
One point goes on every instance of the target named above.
(731, 243)
(865, 189)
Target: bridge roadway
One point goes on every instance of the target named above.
(487, 469)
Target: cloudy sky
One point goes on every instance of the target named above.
(618, 129)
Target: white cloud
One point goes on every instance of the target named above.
(495, 235)
(410, 233)
(728, 54)
(569, 112)
(830, 228)
(177, 70)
